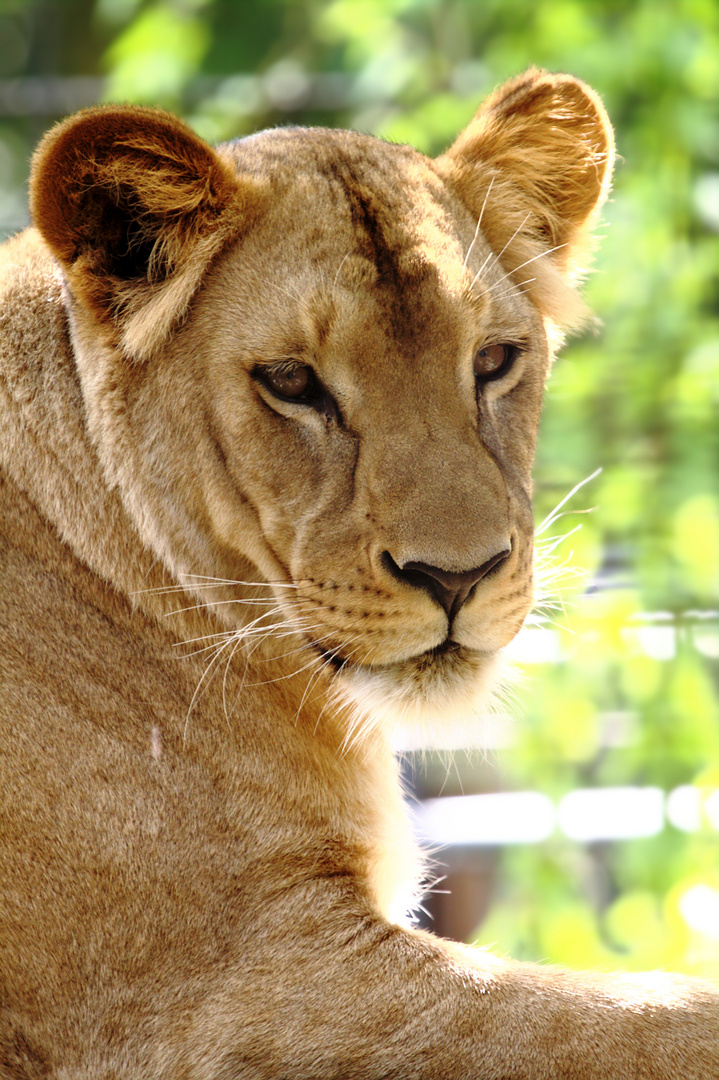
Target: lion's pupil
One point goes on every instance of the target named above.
(490, 359)
(291, 382)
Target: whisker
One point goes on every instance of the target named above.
(339, 268)
(481, 270)
(285, 292)
(199, 652)
(162, 589)
(322, 666)
(215, 583)
(546, 547)
(199, 690)
(230, 658)
(479, 223)
(247, 584)
(512, 284)
(289, 675)
(282, 656)
(512, 290)
(540, 255)
(498, 257)
(203, 637)
(553, 516)
(248, 657)
(242, 631)
(534, 258)
(236, 639)
(553, 578)
(212, 604)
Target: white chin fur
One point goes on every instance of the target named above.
(419, 698)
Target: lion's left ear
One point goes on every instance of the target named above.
(135, 205)
(536, 163)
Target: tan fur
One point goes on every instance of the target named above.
(206, 631)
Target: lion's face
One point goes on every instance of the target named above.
(343, 412)
(346, 358)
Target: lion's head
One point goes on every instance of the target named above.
(315, 359)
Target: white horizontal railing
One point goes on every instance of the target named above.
(654, 634)
(587, 815)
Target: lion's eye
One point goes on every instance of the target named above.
(293, 381)
(493, 361)
(290, 381)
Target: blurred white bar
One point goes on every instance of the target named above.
(535, 645)
(711, 809)
(619, 813)
(586, 815)
(684, 808)
(508, 817)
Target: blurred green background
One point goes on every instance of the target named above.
(621, 669)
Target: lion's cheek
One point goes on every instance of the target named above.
(291, 482)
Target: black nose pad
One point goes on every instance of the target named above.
(449, 588)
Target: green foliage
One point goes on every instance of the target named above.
(158, 53)
(637, 398)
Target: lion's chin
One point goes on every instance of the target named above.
(419, 698)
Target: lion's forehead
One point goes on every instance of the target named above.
(366, 250)
(384, 203)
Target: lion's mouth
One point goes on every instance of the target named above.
(424, 660)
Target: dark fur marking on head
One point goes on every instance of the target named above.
(383, 241)
(369, 217)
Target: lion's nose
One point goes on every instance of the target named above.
(449, 588)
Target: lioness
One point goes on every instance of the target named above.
(268, 422)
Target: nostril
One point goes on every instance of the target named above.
(449, 588)
(492, 564)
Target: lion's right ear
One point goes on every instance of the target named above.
(135, 205)
(534, 167)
